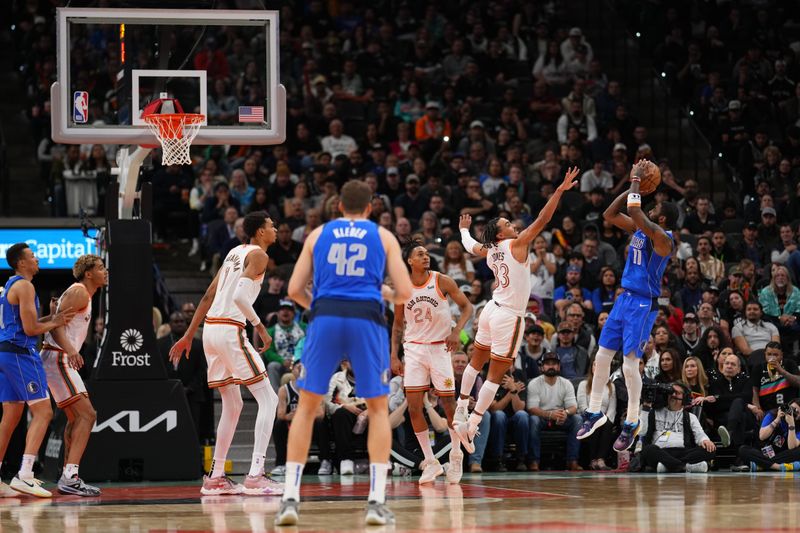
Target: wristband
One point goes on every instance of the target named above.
(636, 178)
(467, 240)
(634, 199)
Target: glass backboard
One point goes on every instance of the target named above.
(221, 63)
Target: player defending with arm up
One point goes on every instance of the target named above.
(423, 325)
(500, 330)
(634, 312)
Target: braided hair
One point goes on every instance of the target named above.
(491, 232)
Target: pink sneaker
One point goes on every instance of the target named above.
(262, 486)
(216, 486)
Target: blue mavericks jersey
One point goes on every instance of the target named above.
(10, 321)
(644, 267)
(349, 261)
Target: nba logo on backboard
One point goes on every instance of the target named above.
(80, 113)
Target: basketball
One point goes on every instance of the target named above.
(651, 179)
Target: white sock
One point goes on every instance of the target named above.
(601, 372)
(467, 382)
(425, 445)
(485, 398)
(455, 441)
(291, 488)
(377, 482)
(26, 470)
(265, 420)
(231, 409)
(70, 471)
(633, 381)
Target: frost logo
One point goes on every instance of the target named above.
(131, 340)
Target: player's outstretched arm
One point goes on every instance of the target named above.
(303, 270)
(613, 214)
(465, 308)
(520, 245)
(184, 344)
(661, 241)
(470, 244)
(23, 293)
(398, 272)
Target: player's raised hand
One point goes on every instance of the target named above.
(465, 222)
(637, 171)
(183, 346)
(569, 180)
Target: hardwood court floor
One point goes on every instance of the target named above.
(586, 502)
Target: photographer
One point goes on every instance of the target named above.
(673, 440)
(779, 436)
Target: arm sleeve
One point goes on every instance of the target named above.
(241, 297)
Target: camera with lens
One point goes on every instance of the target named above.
(656, 394)
(787, 408)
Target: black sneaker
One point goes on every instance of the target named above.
(378, 514)
(76, 486)
(288, 514)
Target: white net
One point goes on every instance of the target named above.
(176, 133)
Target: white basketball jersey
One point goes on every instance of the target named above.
(77, 328)
(513, 278)
(229, 275)
(427, 313)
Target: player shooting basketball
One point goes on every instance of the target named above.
(628, 327)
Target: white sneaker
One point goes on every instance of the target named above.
(430, 471)
(399, 470)
(346, 468)
(6, 491)
(279, 470)
(455, 468)
(724, 436)
(661, 469)
(465, 436)
(30, 486)
(325, 468)
(461, 413)
(697, 468)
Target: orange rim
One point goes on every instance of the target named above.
(169, 124)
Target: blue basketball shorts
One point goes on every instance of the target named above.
(352, 330)
(629, 324)
(22, 377)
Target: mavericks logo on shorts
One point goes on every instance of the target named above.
(642, 345)
(386, 376)
(33, 387)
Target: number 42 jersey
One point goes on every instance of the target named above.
(349, 261)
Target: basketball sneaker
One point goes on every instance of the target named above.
(461, 413)
(288, 514)
(378, 514)
(261, 485)
(75, 485)
(627, 437)
(465, 435)
(217, 486)
(455, 468)
(591, 422)
(697, 468)
(30, 486)
(6, 491)
(430, 471)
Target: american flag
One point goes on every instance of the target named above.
(251, 114)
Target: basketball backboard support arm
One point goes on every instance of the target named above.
(128, 165)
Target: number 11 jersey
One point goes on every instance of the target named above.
(513, 279)
(349, 261)
(644, 267)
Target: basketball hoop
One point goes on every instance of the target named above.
(175, 131)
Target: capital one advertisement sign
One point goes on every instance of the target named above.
(56, 248)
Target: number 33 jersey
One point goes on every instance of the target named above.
(427, 313)
(644, 267)
(512, 278)
(349, 261)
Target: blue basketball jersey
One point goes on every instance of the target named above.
(349, 261)
(10, 321)
(644, 267)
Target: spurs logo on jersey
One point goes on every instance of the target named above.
(513, 279)
(229, 275)
(77, 328)
(427, 313)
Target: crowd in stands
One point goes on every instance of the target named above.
(478, 108)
